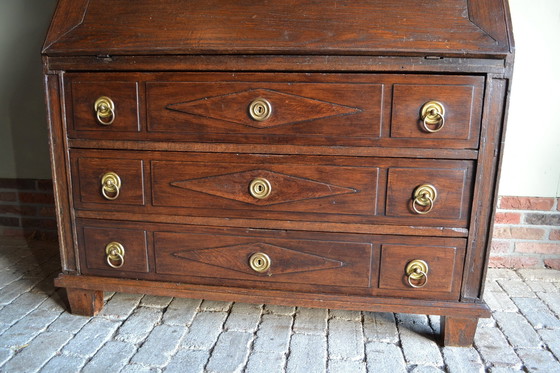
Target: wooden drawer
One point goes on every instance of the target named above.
(293, 108)
(113, 251)
(305, 188)
(276, 259)
(263, 259)
(293, 187)
(93, 179)
(122, 117)
(447, 192)
(456, 102)
(439, 274)
(303, 109)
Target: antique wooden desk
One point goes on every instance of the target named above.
(330, 153)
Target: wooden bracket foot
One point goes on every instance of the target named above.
(85, 302)
(458, 331)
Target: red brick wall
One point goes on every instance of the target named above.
(27, 208)
(526, 229)
(526, 233)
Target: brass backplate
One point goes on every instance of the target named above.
(423, 191)
(260, 109)
(432, 112)
(110, 180)
(104, 106)
(417, 269)
(260, 262)
(260, 188)
(114, 249)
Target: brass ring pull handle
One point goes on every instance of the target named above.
(417, 270)
(260, 109)
(104, 109)
(115, 254)
(260, 188)
(110, 186)
(424, 196)
(433, 114)
(260, 262)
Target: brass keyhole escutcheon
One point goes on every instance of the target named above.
(260, 262)
(104, 109)
(115, 254)
(417, 273)
(110, 186)
(433, 116)
(424, 196)
(260, 188)
(260, 109)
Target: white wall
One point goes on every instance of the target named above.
(531, 164)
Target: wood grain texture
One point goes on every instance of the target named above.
(437, 231)
(486, 188)
(307, 109)
(305, 261)
(81, 97)
(343, 149)
(68, 15)
(89, 171)
(490, 16)
(84, 302)
(296, 27)
(224, 293)
(58, 156)
(304, 188)
(458, 331)
(444, 266)
(268, 63)
(93, 241)
(226, 256)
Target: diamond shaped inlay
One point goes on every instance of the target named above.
(236, 257)
(287, 108)
(284, 188)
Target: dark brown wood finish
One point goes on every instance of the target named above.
(343, 150)
(84, 302)
(306, 109)
(61, 178)
(82, 96)
(298, 27)
(348, 302)
(95, 240)
(444, 266)
(309, 188)
(458, 331)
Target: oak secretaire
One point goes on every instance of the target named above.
(329, 153)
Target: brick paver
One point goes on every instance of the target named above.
(143, 333)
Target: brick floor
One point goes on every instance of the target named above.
(136, 333)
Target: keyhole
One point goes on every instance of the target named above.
(259, 262)
(260, 110)
(260, 188)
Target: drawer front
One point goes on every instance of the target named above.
(104, 106)
(260, 188)
(264, 260)
(429, 192)
(108, 181)
(422, 270)
(285, 109)
(384, 110)
(113, 251)
(290, 188)
(377, 265)
(443, 111)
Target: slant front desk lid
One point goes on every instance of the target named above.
(460, 28)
